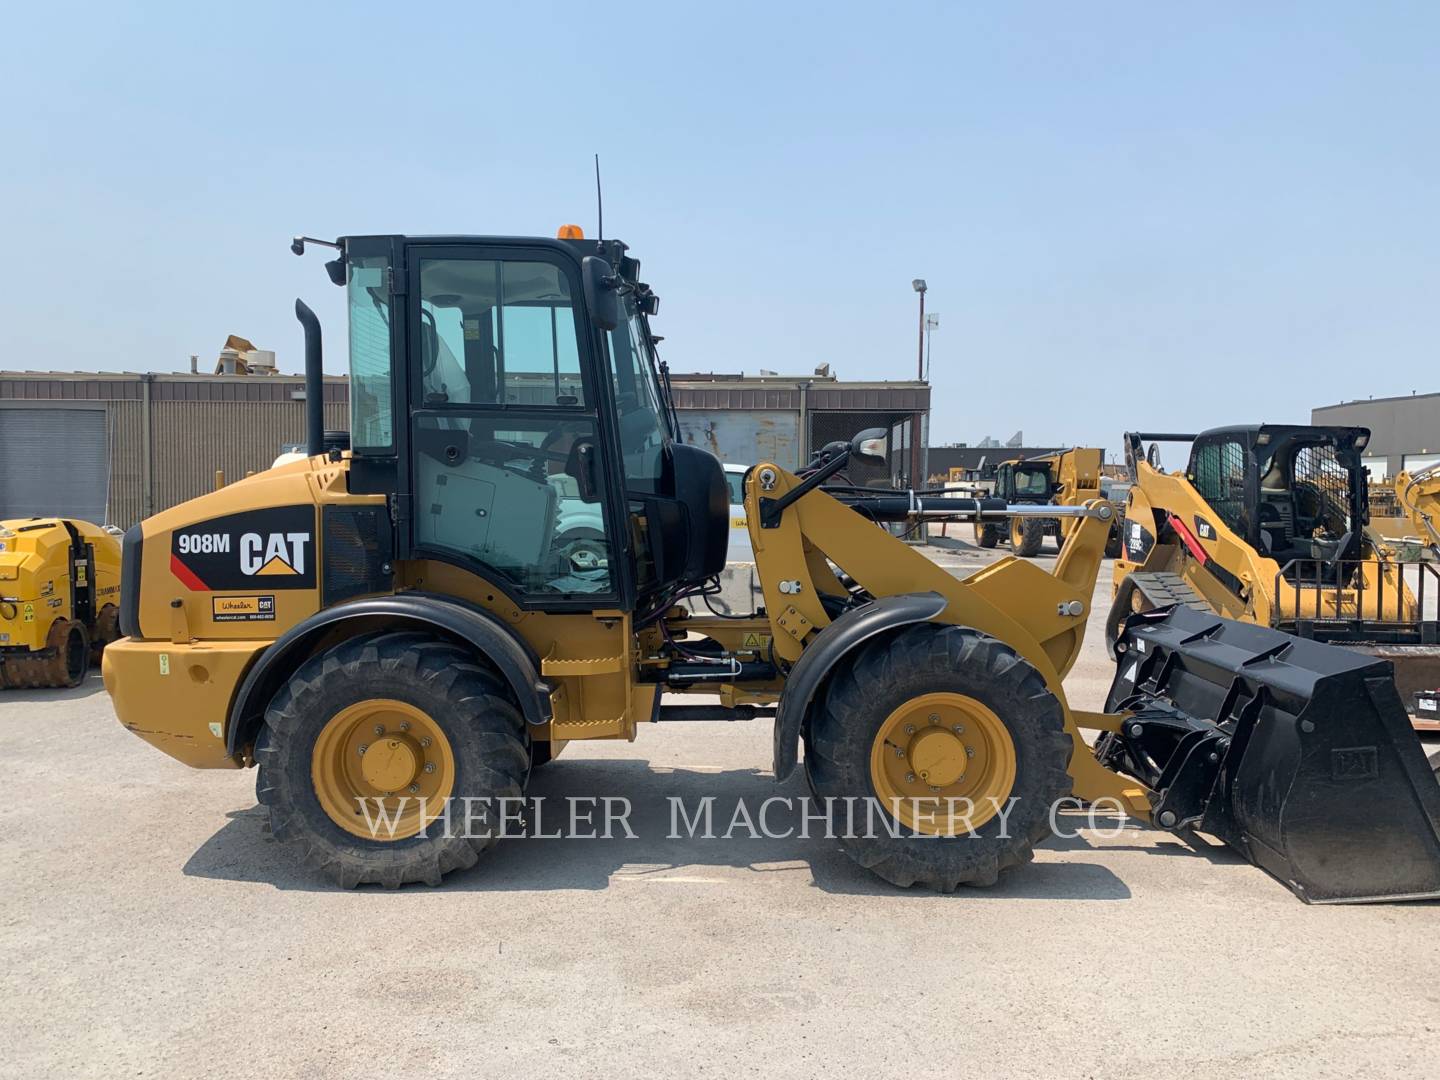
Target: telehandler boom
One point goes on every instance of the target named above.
(395, 627)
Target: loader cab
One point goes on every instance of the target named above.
(1024, 482)
(1292, 492)
(506, 397)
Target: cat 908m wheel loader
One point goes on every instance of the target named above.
(397, 627)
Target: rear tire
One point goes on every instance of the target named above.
(989, 535)
(410, 684)
(923, 665)
(71, 662)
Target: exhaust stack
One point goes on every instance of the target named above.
(314, 381)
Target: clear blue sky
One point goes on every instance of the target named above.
(1129, 213)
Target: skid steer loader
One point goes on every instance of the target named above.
(1268, 523)
(59, 600)
(1069, 478)
(395, 626)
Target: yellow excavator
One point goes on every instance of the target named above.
(1068, 478)
(59, 600)
(392, 630)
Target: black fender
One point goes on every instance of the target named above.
(451, 618)
(846, 633)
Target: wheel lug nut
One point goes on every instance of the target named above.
(414, 788)
(969, 751)
(379, 729)
(425, 742)
(959, 729)
(429, 766)
(934, 718)
(909, 778)
(934, 788)
(363, 748)
(909, 729)
(404, 725)
(899, 752)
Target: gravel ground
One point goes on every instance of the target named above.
(151, 927)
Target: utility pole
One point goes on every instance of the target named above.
(919, 286)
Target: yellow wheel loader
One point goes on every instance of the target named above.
(1069, 478)
(1268, 523)
(395, 630)
(59, 600)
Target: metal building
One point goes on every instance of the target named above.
(1404, 431)
(114, 448)
(744, 419)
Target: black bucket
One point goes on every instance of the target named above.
(1297, 754)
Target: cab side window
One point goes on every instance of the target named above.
(498, 333)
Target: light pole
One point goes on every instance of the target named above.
(919, 286)
(931, 322)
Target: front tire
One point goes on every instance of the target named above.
(435, 724)
(1027, 535)
(989, 535)
(949, 714)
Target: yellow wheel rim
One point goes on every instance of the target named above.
(389, 754)
(943, 764)
(1017, 532)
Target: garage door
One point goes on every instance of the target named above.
(1415, 462)
(53, 462)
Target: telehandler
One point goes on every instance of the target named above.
(1268, 523)
(59, 600)
(395, 625)
(1069, 478)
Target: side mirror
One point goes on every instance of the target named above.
(598, 281)
(869, 446)
(583, 464)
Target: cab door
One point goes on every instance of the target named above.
(505, 425)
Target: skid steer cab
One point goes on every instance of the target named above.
(419, 622)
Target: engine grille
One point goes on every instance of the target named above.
(357, 553)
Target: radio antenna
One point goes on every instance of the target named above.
(599, 204)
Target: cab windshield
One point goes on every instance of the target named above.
(640, 402)
(1032, 482)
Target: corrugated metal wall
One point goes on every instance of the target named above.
(127, 462)
(197, 425)
(192, 439)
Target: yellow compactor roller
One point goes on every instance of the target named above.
(398, 627)
(59, 599)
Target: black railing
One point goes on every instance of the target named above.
(1358, 610)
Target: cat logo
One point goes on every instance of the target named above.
(274, 555)
(278, 544)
